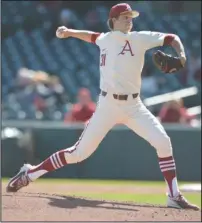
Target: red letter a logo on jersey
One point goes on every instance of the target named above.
(126, 48)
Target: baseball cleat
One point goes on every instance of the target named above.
(181, 203)
(20, 180)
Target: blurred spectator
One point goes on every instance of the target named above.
(174, 112)
(58, 92)
(39, 80)
(50, 94)
(24, 76)
(34, 93)
(83, 110)
(23, 93)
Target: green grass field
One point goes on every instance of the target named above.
(157, 198)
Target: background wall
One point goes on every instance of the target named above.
(121, 155)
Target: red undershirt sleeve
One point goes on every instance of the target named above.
(94, 37)
(168, 39)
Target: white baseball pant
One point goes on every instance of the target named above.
(110, 112)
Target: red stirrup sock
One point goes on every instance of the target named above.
(167, 166)
(54, 162)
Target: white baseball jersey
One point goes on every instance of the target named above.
(122, 59)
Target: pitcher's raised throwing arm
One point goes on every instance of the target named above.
(88, 36)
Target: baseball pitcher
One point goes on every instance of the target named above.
(122, 53)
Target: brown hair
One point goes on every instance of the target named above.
(110, 23)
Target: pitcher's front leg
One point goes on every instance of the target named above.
(94, 132)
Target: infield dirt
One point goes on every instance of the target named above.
(45, 202)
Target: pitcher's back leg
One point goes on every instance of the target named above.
(147, 126)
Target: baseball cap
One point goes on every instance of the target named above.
(122, 9)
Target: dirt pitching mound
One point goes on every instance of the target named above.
(33, 206)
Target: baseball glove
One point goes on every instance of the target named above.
(166, 63)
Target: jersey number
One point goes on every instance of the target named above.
(103, 60)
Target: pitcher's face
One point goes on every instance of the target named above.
(123, 23)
